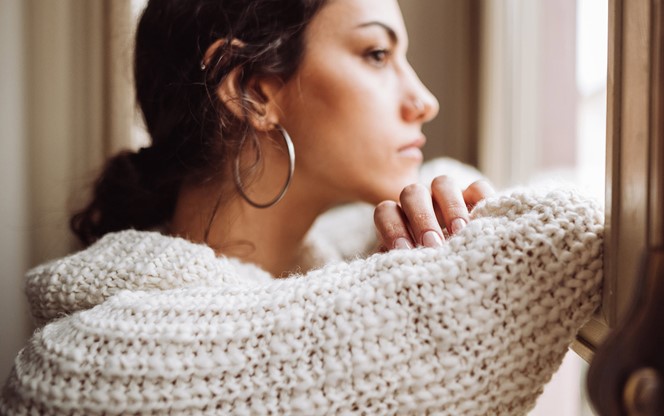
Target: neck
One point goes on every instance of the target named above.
(271, 237)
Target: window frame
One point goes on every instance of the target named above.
(634, 159)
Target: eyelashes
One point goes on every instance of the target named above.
(378, 56)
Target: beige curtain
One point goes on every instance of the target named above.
(67, 104)
(80, 107)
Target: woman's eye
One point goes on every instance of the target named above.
(378, 57)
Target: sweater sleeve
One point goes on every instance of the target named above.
(475, 327)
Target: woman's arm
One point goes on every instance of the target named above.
(477, 326)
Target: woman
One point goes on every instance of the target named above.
(189, 320)
(342, 90)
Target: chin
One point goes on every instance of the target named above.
(392, 191)
(387, 186)
(411, 177)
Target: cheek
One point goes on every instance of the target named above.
(339, 114)
(326, 90)
(346, 135)
(328, 115)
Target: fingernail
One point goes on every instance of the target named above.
(457, 225)
(402, 244)
(431, 239)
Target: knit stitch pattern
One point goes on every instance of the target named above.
(150, 324)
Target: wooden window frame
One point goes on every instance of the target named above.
(634, 159)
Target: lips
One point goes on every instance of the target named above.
(413, 150)
(417, 143)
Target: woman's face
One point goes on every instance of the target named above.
(355, 107)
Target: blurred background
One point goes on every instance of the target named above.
(521, 83)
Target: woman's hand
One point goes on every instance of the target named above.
(418, 218)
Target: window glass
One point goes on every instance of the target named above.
(543, 98)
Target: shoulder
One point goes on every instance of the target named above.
(128, 260)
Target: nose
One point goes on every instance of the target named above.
(419, 104)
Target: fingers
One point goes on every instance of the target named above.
(412, 223)
(418, 208)
(391, 225)
(476, 192)
(451, 203)
(417, 219)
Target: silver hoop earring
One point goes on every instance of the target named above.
(291, 168)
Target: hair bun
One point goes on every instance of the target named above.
(126, 195)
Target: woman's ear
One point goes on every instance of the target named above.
(256, 101)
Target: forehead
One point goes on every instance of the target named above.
(342, 17)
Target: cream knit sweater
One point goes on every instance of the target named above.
(150, 324)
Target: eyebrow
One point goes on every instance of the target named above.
(390, 32)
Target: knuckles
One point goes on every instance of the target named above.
(388, 221)
(413, 190)
(482, 186)
(457, 206)
(415, 204)
(384, 209)
(442, 182)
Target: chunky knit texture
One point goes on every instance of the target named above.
(475, 327)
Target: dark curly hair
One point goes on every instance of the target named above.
(192, 131)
